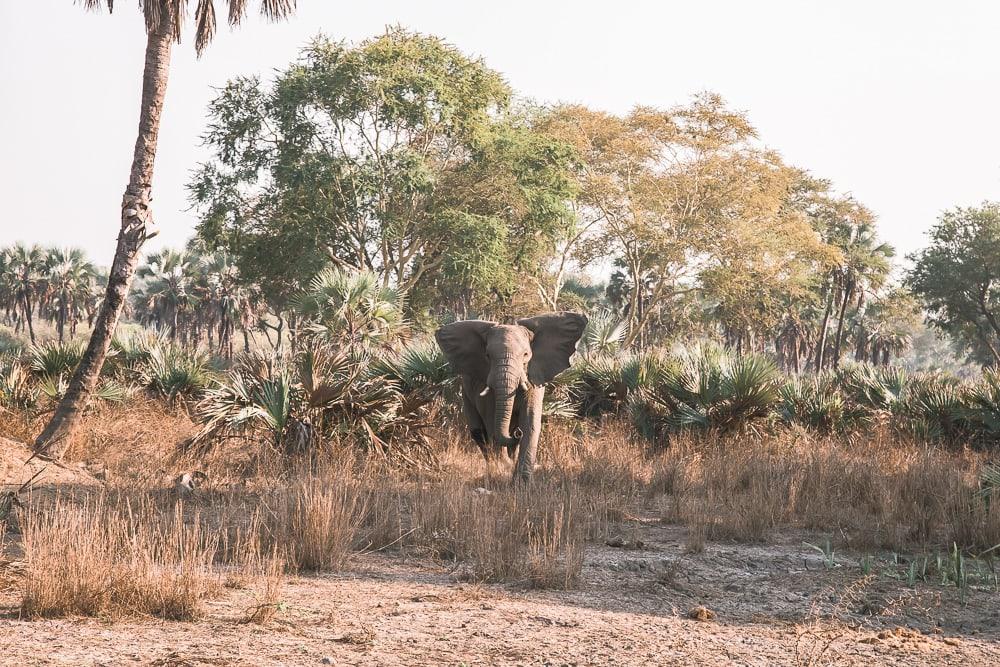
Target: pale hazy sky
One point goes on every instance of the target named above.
(896, 102)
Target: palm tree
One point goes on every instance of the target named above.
(25, 266)
(164, 20)
(865, 269)
(227, 302)
(166, 295)
(347, 308)
(69, 279)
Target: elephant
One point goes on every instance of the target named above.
(513, 362)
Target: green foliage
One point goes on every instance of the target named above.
(52, 359)
(319, 394)
(173, 371)
(604, 384)
(379, 157)
(816, 403)
(956, 277)
(981, 410)
(352, 309)
(603, 335)
(873, 389)
(17, 391)
(9, 342)
(711, 388)
(420, 366)
(705, 387)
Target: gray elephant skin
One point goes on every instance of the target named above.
(504, 369)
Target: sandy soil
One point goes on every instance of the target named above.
(14, 472)
(759, 605)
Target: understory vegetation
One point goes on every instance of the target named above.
(133, 548)
(382, 400)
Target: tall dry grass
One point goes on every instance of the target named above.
(132, 551)
(107, 558)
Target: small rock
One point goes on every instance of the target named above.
(700, 613)
(622, 543)
(327, 661)
(186, 483)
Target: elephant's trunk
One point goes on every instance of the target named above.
(504, 392)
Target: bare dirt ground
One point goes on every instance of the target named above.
(752, 605)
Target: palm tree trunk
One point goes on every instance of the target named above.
(839, 339)
(27, 318)
(135, 229)
(823, 330)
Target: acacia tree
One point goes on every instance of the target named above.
(164, 20)
(957, 277)
(675, 197)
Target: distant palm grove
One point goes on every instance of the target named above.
(367, 193)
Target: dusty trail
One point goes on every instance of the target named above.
(772, 605)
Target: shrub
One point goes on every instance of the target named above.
(17, 391)
(708, 388)
(174, 372)
(321, 393)
(815, 403)
(52, 359)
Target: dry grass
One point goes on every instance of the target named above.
(881, 493)
(103, 558)
(141, 554)
(265, 571)
(314, 522)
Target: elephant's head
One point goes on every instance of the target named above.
(502, 358)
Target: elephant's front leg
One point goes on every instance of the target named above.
(477, 429)
(531, 429)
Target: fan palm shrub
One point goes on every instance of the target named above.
(52, 359)
(707, 388)
(321, 394)
(815, 403)
(418, 366)
(352, 309)
(174, 372)
(602, 384)
(879, 390)
(602, 336)
(981, 410)
(934, 409)
(17, 390)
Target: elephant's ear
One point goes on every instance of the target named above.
(552, 344)
(464, 344)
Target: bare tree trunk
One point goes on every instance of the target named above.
(136, 227)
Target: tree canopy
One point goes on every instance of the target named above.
(957, 276)
(400, 156)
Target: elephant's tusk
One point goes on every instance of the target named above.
(484, 391)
